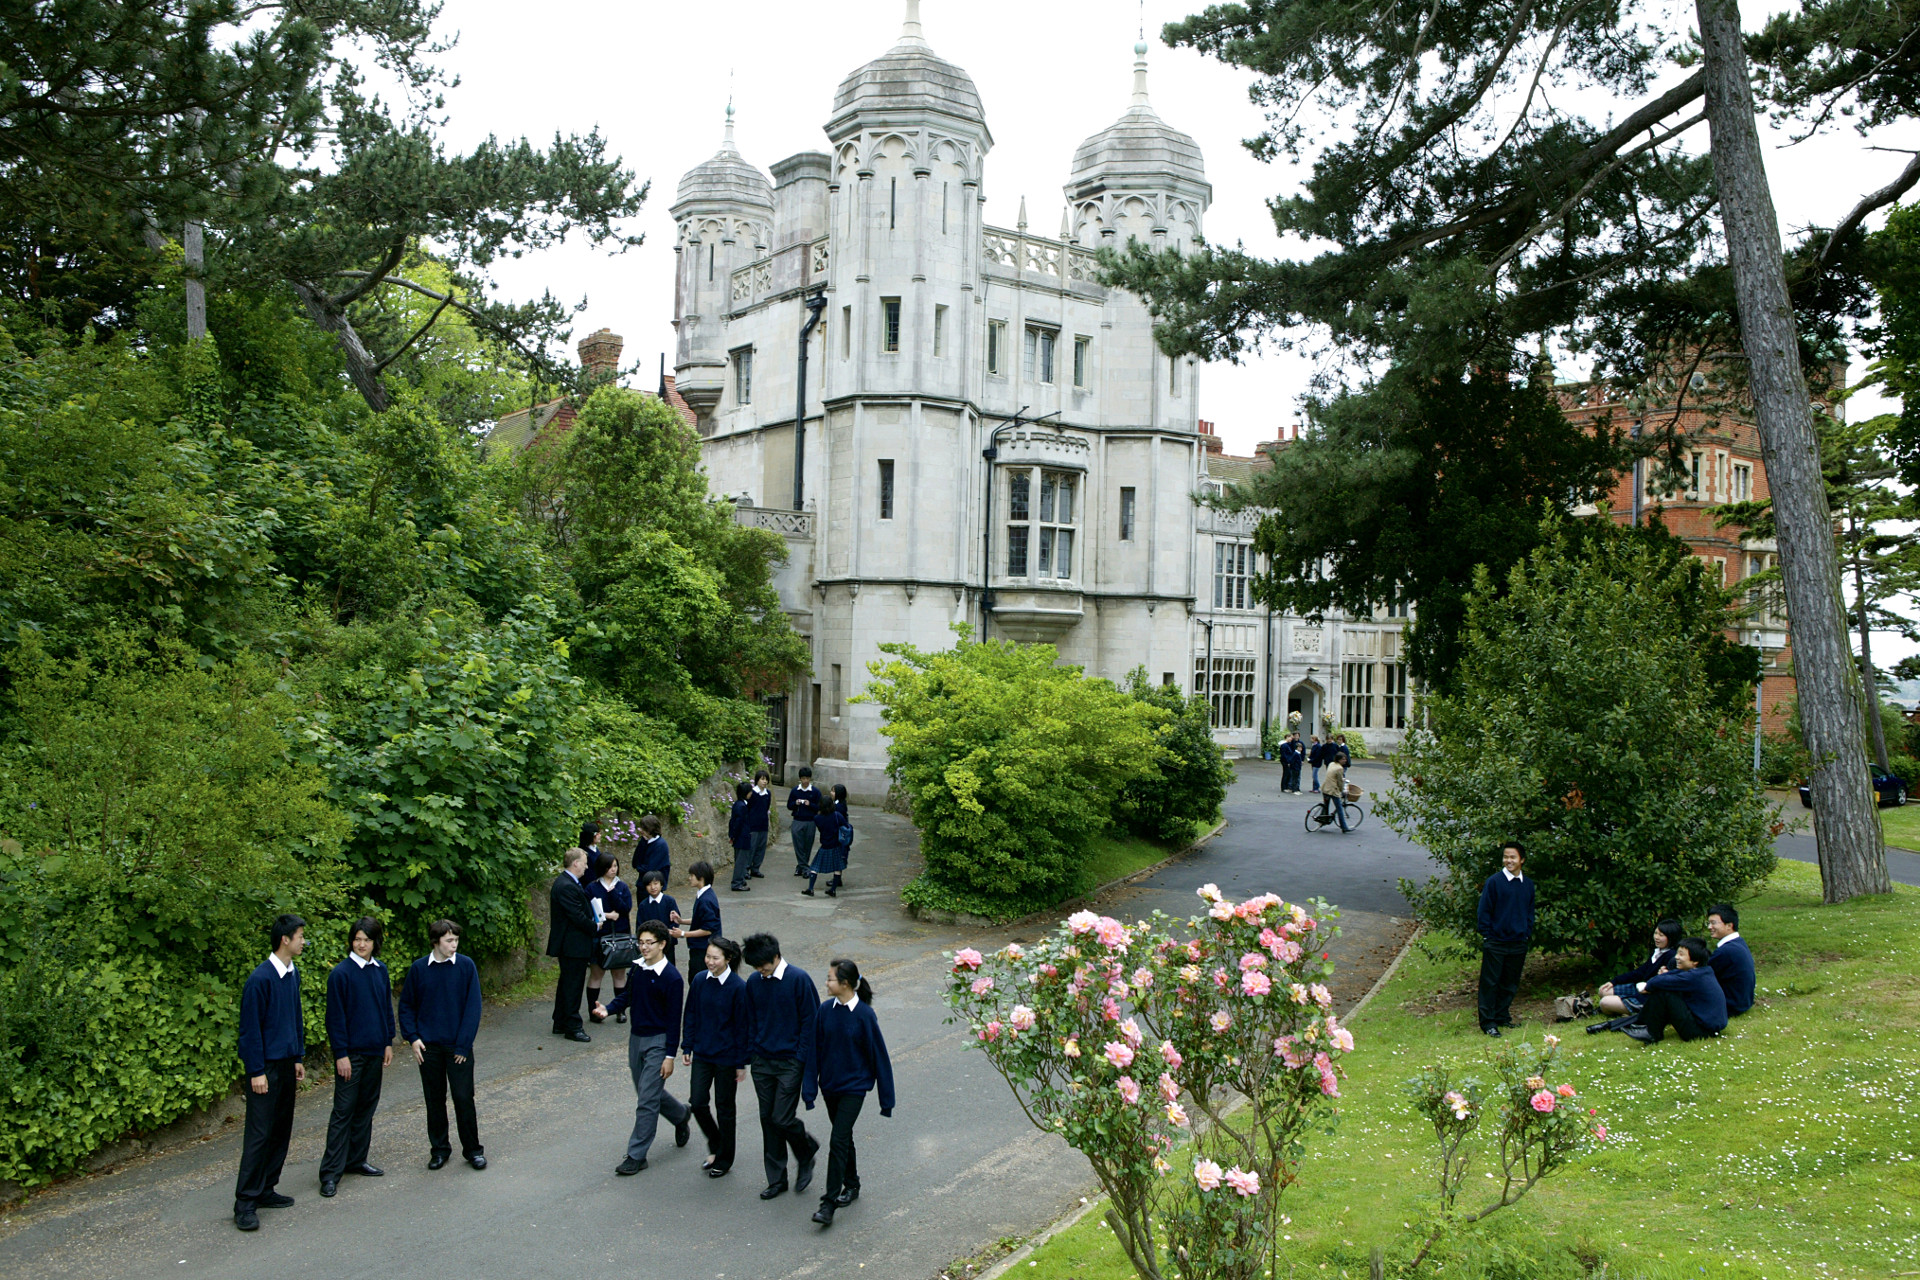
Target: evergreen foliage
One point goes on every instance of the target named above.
(1191, 782)
(1594, 718)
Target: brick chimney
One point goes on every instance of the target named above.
(600, 354)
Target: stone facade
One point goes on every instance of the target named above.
(933, 341)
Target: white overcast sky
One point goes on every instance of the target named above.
(655, 78)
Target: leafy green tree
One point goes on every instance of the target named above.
(1191, 782)
(1589, 719)
(1474, 211)
(1013, 763)
(1401, 490)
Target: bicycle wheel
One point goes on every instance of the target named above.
(1355, 814)
(1312, 809)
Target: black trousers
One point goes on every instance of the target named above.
(719, 1084)
(1289, 777)
(776, 1081)
(269, 1128)
(1500, 966)
(440, 1075)
(350, 1128)
(567, 992)
(843, 1109)
(1666, 1009)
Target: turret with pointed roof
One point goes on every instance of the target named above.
(1139, 177)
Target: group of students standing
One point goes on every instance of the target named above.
(1685, 986)
(819, 822)
(438, 1018)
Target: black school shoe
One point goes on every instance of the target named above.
(246, 1219)
(274, 1200)
(847, 1197)
(824, 1214)
(773, 1189)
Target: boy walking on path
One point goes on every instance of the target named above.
(803, 802)
(439, 1017)
(654, 995)
(784, 1003)
(1506, 930)
(273, 1040)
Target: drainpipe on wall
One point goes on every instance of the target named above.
(815, 304)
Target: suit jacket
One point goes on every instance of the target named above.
(571, 930)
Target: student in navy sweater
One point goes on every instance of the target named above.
(714, 1039)
(439, 1017)
(1622, 995)
(803, 803)
(653, 902)
(1506, 929)
(759, 809)
(738, 837)
(653, 997)
(1732, 962)
(273, 1040)
(784, 1003)
(849, 1060)
(615, 914)
(1687, 998)
(652, 854)
(836, 834)
(705, 925)
(360, 1037)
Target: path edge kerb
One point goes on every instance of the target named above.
(1093, 1203)
(931, 915)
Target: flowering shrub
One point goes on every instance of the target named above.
(1542, 1124)
(1119, 1036)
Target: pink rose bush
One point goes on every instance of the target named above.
(1230, 1003)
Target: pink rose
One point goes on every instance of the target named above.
(1220, 1020)
(1220, 979)
(1341, 1037)
(1600, 1132)
(1287, 952)
(1143, 978)
(1536, 1082)
(1129, 1090)
(1193, 952)
(1329, 1082)
(1247, 1184)
(1322, 996)
(1112, 934)
(1209, 892)
(1119, 1054)
(1072, 1048)
(1298, 993)
(1130, 1032)
(1565, 1091)
(1542, 1102)
(1109, 1010)
(1169, 1088)
(1015, 951)
(1221, 911)
(966, 958)
(1253, 960)
(982, 985)
(1022, 1018)
(1286, 1049)
(1169, 1054)
(1083, 922)
(1255, 983)
(1207, 1174)
(1176, 1115)
(991, 1031)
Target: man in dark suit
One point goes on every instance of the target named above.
(570, 939)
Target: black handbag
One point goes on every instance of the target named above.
(619, 951)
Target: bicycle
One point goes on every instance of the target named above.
(1317, 821)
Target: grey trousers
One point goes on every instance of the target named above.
(644, 1056)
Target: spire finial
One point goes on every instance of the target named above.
(1065, 229)
(910, 29)
(1021, 226)
(728, 144)
(1140, 74)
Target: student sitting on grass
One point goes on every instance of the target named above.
(1732, 962)
(1688, 998)
(1622, 995)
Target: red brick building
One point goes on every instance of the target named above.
(1722, 464)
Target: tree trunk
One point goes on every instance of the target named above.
(194, 274)
(361, 366)
(1868, 679)
(1846, 826)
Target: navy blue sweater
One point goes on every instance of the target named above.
(359, 1008)
(849, 1055)
(271, 1026)
(1662, 959)
(783, 1014)
(737, 825)
(706, 915)
(759, 804)
(1733, 965)
(827, 826)
(654, 1001)
(717, 1021)
(440, 1004)
(1506, 908)
(646, 910)
(1699, 990)
(653, 856)
(803, 803)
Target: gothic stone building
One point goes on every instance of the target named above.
(986, 434)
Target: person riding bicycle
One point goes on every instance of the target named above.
(1333, 791)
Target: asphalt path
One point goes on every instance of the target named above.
(957, 1166)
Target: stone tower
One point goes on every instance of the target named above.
(723, 217)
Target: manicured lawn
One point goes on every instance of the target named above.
(1112, 857)
(1902, 825)
(1785, 1148)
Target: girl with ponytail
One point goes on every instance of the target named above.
(849, 1060)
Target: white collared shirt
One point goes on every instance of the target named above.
(852, 1002)
(724, 975)
(706, 889)
(780, 970)
(1729, 938)
(658, 968)
(280, 966)
(433, 957)
(1513, 875)
(654, 901)
(355, 957)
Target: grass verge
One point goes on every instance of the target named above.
(1785, 1148)
(1111, 857)
(1902, 826)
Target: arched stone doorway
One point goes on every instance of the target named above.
(1310, 700)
